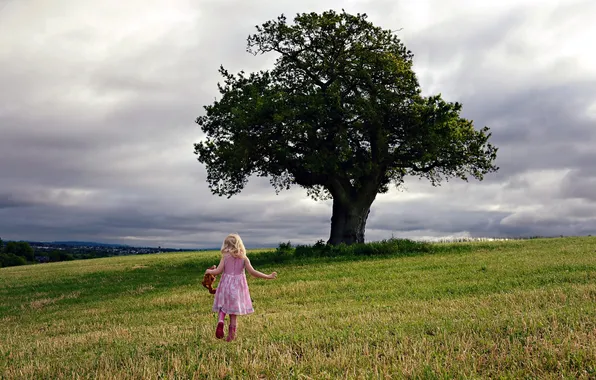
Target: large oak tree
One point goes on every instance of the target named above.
(340, 114)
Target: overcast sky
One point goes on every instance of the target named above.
(98, 101)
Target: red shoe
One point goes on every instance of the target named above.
(231, 333)
(219, 330)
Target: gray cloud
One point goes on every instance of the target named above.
(96, 129)
(580, 184)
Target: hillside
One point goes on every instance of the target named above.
(511, 309)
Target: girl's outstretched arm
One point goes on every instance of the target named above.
(217, 270)
(256, 273)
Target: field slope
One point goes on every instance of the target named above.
(517, 309)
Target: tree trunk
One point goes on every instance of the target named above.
(349, 220)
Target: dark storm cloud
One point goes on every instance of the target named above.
(580, 184)
(96, 142)
(562, 218)
(10, 200)
(184, 229)
(446, 222)
(551, 113)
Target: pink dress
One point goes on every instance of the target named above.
(232, 295)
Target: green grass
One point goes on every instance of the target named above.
(514, 309)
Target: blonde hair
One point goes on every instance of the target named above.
(234, 245)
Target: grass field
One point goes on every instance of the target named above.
(513, 309)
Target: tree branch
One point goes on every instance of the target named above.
(306, 178)
(427, 168)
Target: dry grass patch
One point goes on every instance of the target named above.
(141, 289)
(42, 302)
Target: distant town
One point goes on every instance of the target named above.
(31, 252)
(94, 249)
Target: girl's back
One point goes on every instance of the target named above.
(233, 266)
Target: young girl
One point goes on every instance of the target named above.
(232, 295)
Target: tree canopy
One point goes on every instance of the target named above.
(340, 114)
